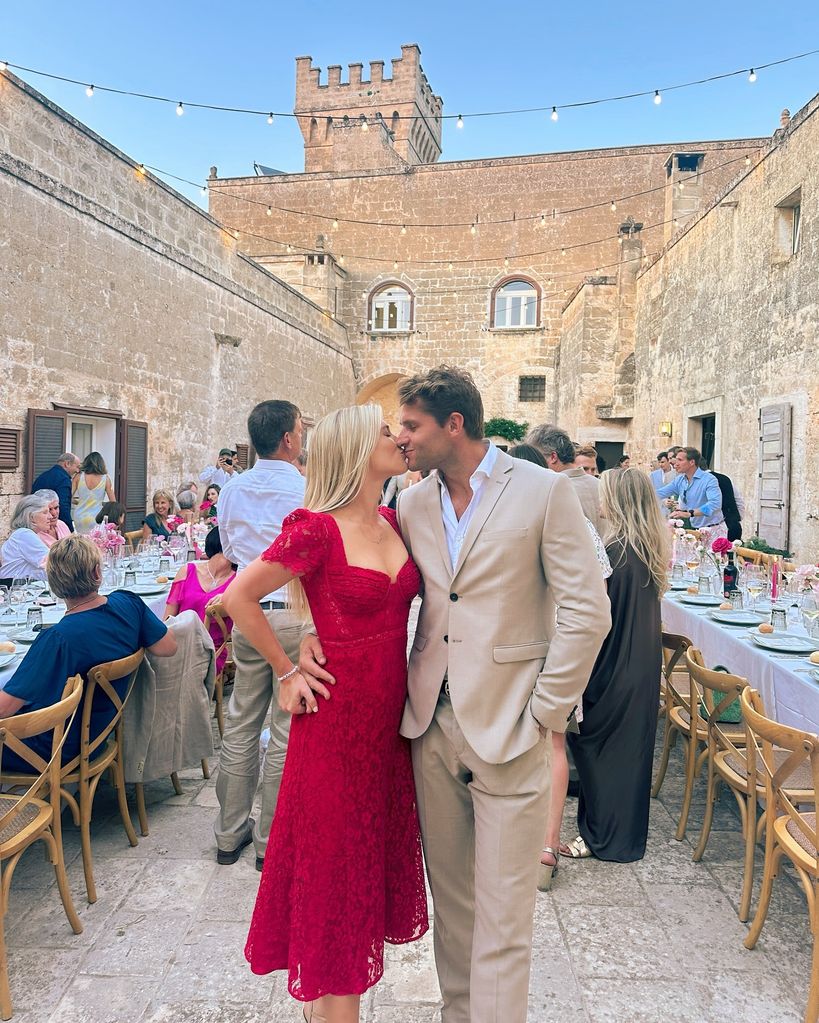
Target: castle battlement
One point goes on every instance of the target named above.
(404, 102)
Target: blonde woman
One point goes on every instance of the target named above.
(614, 750)
(156, 524)
(343, 871)
(90, 488)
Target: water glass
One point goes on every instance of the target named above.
(34, 619)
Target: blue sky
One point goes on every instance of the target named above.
(476, 56)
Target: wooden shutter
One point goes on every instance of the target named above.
(774, 474)
(46, 441)
(9, 448)
(242, 455)
(132, 471)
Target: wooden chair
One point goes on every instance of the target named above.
(215, 612)
(133, 536)
(789, 831)
(674, 648)
(26, 818)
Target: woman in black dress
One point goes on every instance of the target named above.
(614, 750)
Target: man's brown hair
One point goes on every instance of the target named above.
(586, 452)
(442, 391)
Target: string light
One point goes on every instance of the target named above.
(3, 66)
(335, 225)
(450, 267)
(403, 229)
(460, 121)
(270, 118)
(681, 185)
(562, 252)
(269, 211)
(752, 76)
(364, 125)
(395, 264)
(89, 91)
(747, 161)
(473, 230)
(506, 263)
(542, 219)
(554, 114)
(140, 168)
(341, 260)
(613, 206)
(657, 97)
(180, 110)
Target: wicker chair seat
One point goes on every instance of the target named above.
(27, 816)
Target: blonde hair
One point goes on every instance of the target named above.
(340, 450)
(159, 494)
(632, 513)
(73, 567)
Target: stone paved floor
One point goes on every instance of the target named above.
(636, 943)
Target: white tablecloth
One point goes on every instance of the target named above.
(790, 693)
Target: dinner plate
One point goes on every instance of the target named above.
(787, 642)
(149, 589)
(679, 584)
(26, 637)
(6, 659)
(700, 599)
(738, 617)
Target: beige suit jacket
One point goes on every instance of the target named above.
(490, 623)
(587, 488)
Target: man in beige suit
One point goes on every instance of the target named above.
(560, 453)
(498, 541)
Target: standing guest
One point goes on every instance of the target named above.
(732, 505)
(624, 462)
(697, 492)
(93, 630)
(91, 487)
(23, 555)
(344, 870)
(114, 513)
(559, 453)
(156, 523)
(58, 478)
(57, 529)
(586, 458)
(252, 507)
(614, 749)
(488, 679)
(226, 468)
(663, 473)
(207, 509)
(190, 485)
(197, 583)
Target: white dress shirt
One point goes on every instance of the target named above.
(216, 474)
(455, 528)
(23, 556)
(252, 507)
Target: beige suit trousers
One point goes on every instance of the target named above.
(482, 826)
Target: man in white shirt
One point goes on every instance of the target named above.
(252, 507)
(226, 467)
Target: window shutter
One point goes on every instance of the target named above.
(774, 474)
(132, 477)
(46, 441)
(9, 448)
(243, 456)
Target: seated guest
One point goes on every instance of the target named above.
(58, 478)
(23, 555)
(57, 529)
(207, 509)
(94, 630)
(197, 583)
(187, 505)
(114, 513)
(614, 750)
(156, 524)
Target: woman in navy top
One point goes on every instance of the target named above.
(95, 629)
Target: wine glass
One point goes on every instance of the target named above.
(810, 612)
(754, 583)
(18, 598)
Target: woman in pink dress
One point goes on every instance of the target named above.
(197, 583)
(343, 870)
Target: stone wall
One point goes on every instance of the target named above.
(438, 203)
(728, 320)
(117, 293)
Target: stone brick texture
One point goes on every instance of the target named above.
(113, 289)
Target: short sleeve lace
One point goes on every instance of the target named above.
(303, 543)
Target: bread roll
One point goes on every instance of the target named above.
(162, 579)
(7, 647)
(766, 628)
(814, 657)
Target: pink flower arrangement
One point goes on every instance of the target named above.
(107, 537)
(722, 545)
(173, 523)
(807, 577)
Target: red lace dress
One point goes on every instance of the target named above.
(343, 871)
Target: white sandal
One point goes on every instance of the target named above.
(548, 871)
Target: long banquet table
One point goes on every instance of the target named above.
(787, 684)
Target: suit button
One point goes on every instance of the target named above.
(453, 596)
(446, 639)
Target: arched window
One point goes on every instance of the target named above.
(516, 303)
(391, 308)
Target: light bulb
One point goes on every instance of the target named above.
(562, 252)
(269, 118)
(269, 211)
(657, 97)
(403, 229)
(450, 267)
(140, 168)
(204, 190)
(681, 184)
(289, 247)
(542, 219)
(335, 225)
(473, 230)
(364, 125)
(506, 263)
(89, 92)
(236, 235)
(752, 76)
(551, 281)
(676, 222)
(747, 161)
(613, 205)
(180, 110)
(554, 114)
(460, 122)
(395, 264)
(3, 65)
(341, 260)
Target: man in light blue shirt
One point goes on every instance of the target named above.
(663, 473)
(697, 492)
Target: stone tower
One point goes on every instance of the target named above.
(368, 123)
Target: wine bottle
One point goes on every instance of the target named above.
(729, 576)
